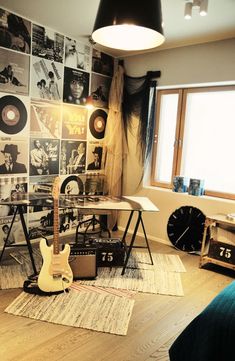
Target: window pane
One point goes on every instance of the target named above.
(166, 137)
(209, 139)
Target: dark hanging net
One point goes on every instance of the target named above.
(139, 97)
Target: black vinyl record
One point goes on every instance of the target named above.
(13, 114)
(72, 185)
(97, 123)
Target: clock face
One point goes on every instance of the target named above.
(185, 228)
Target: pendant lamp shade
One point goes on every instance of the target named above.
(129, 24)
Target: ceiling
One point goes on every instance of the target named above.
(75, 18)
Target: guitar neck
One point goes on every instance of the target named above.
(56, 248)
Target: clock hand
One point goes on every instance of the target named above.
(182, 235)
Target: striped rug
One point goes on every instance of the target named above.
(91, 310)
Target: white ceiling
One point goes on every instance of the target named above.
(75, 18)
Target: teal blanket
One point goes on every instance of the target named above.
(211, 335)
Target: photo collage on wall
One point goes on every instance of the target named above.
(46, 129)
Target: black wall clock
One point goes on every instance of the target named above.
(185, 228)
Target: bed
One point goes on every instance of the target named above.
(211, 335)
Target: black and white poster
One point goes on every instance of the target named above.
(17, 234)
(15, 32)
(76, 86)
(73, 157)
(46, 79)
(13, 156)
(45, 119)
(77, 55)
(100, 86)
(44, 156)
(47, 44)
(10, 190)
(94, 156)
(102, 63)
(14, 72)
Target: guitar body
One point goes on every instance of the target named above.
(56, 274)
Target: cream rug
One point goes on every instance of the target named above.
(95, 311)
(161, 278)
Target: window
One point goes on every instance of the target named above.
(195, 138)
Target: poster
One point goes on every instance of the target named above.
(14, 32)
(100, 86)
(44, 156)
(47, 44)
(77, 55)
(102, 63)
(17, 234)
(94, 156)
(72, 157)
(13, 156)
(45, 119)
(46, 79)
(76, 86)
(74, 124)
(14, 72)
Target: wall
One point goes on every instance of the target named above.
(52, 116)
(204, 63)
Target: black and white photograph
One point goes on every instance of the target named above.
(44, 156)
(41, 184)
(13, 156)
(15, 32)
(16, 235)
(94, 156)
(102, 63)
(40, 224)
(46, 79)
(45, 119)
(10, 190)
(14, 72)
(47, 44)
(73, 157)
(14, 115)
(77, 55)
(74, 123)
(100, 86)
(76, 86)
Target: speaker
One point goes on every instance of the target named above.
(82, 261)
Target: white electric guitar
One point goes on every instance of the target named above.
(56, 274)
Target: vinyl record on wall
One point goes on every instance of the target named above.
(97, 123)
(13, 114)
(72, 185)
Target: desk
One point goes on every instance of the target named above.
(91, 203)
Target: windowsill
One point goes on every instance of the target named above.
(176, 194)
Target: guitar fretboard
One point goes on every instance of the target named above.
(56, 249)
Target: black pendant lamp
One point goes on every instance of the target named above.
(129, 24)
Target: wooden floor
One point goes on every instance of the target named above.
(155, 323)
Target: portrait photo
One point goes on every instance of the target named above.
(76, 86)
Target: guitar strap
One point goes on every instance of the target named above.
(31, 286)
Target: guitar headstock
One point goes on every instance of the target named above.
(56, 188)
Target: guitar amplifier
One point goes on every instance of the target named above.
(82, 261)
(110, 252)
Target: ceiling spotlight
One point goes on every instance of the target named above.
(203, 7)
(188, 11)
(129, 24)
(200, 5)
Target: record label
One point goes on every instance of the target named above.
(97, 123)
(13, 114)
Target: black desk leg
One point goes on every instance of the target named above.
(20, 210)
(126, 230)
(6, 240)
(146, 240)
(132, 241)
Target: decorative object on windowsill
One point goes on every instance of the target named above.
(129, 24)
(185, 228)
(196, 187)
(200, 5)
(231, 217)
(180, 184)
